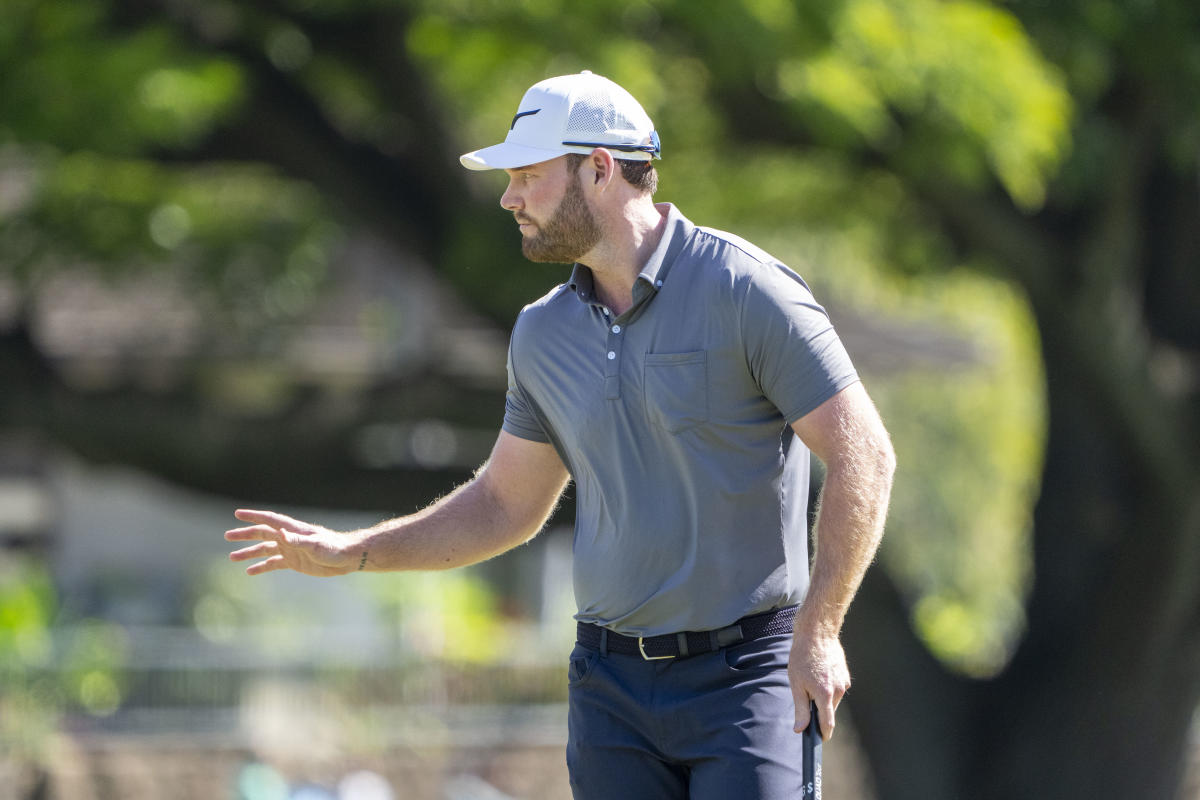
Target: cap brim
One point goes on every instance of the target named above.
(507, 156)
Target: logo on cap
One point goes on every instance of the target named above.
(520, 114)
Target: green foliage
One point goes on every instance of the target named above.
(84, 113)
(67, 81)
(91, 666)
(938, 91)
(959, 529)
(241, 232)
(30, 700)
(962, 73)
(955, 86)
(1104, 49)
(44, 669)
(446, 615)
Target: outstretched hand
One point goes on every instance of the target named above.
(286, 543)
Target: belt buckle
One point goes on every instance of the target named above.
(642, 650)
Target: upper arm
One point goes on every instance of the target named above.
(525, 479)
(846, 425)
(791, 347)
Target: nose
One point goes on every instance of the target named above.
(510, 200)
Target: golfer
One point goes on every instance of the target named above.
(680, 377)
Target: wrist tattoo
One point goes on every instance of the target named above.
(362, 563)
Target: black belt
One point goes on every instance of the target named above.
(689, 643)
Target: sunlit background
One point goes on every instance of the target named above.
(240, 266)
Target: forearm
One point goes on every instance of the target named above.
(849, 527)
(467, 526)
(505, 504)
(846, 433)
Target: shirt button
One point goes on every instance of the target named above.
(611, 355)
(658, 283)
(606, 312)
(616, 328)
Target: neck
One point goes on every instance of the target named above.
(630, 238)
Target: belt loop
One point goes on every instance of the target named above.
(604, 642)
(713, 645)
(681, 640)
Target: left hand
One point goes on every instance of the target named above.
(817, 671)
(286, 543)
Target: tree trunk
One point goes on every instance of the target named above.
(1100, 698)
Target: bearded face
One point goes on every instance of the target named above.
(570, 232)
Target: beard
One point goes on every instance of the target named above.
(570, 233)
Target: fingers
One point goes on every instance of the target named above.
(825, 717)
(268, 525)
(802, 712)
(826, 713)
(269, 565)
(271, 531)
(268, 551)
(822, 695)
(270, 518)
(255, 551)
(271, 540)
(252, 532)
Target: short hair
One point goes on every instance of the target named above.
(640, 175)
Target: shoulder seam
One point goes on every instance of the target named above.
(724, 239)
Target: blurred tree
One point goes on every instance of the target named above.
(1051, 145)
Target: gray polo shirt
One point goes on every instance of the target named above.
(691, 490)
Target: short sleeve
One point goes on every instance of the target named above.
(520, 419)
(792, 349)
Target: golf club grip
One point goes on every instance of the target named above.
(811, 768)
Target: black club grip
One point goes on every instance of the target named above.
(811, 768)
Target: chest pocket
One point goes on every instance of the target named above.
(676, 387)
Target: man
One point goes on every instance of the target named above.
(680, 378)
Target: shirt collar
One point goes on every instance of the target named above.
(657, 267)
(582, 283)
(674, 235)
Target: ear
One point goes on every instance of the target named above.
(603, 168)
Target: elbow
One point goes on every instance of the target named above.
(886, 459)
(882, 465)
(867, 467)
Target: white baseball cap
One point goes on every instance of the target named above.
(571, 114)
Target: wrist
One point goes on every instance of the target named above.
(357, 552)
(811, 623)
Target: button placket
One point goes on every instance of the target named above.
(612, 363)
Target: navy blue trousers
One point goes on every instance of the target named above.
(714, 726)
